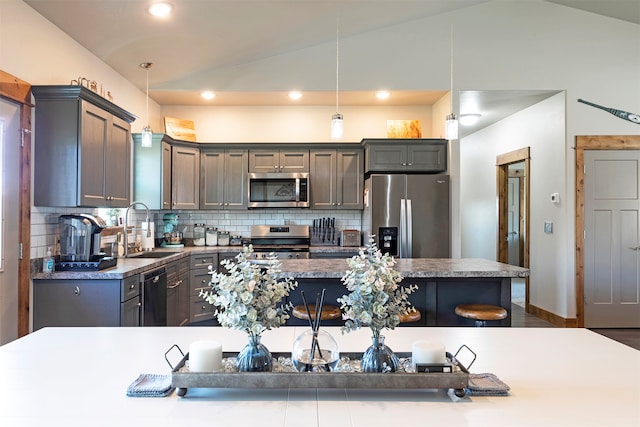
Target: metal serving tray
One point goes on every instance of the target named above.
(182, 379)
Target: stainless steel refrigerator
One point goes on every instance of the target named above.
(408, 214)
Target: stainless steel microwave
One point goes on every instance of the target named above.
(278, 190)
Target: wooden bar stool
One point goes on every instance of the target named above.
(410, 317)
(329, 312)
(481, 312)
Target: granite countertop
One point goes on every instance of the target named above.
(301, 268)
(410, 268)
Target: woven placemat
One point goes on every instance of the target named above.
(150, 385)
(487, 385)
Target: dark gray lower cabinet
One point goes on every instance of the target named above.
(86, 302)
(178, 292)
(199, 309)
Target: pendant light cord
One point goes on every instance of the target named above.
(451, 71)
(148, 95)
(337, 59)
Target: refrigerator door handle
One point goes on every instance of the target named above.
(403, 228)
(409, 231)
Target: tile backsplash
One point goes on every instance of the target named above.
(44, 221)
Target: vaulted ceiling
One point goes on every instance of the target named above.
(202, 37)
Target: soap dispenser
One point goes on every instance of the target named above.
(47, 262)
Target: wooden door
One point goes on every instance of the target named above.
(513, 220)
(9, 210)
(611, 239)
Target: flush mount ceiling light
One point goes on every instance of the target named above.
(337, 125)
(160, 10)
(383, 94)
(208, 95)
(469, 119)
(147, 133)
(295, 95)
(451, 123)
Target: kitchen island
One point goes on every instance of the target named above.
(442, 284)
(78, 377)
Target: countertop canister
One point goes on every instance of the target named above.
(211, 238)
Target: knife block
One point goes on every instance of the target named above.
(323, 236)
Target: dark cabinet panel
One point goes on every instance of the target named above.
(82, 146)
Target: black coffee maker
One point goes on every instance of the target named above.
(80, 238)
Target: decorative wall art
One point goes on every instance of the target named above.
(404, 129)
(635, 118)
(183, 130)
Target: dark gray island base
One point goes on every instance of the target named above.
(442, 283)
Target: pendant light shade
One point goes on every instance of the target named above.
(337, 123)
(451, 127)
(337, 128)
(147, 133)
(451, 123)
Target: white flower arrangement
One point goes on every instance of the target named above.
(376, 299)
(246, 297)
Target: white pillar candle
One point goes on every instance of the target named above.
(205, 356)
(427, 352)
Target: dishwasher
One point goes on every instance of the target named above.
(155, 298)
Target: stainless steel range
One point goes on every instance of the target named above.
(286, 241)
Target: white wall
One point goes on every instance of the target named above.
(540, 127)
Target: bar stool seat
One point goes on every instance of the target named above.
(481, 313)
(410, 317)
(329, 312)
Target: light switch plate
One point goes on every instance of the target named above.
(548, 227)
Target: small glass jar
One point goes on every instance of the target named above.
(198, 235)
(223, 238)
(235, 240)
(211, 236)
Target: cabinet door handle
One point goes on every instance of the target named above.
(175, 285)
(76, 291)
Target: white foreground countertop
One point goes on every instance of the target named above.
(79, 376)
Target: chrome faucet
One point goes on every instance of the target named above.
(126, 234)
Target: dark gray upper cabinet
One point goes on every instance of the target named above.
(82, 149)
(337, 179)
(185, 177)
(273, 160)
(405, 155)
(167, 174)
(152, 172)
(223, 183)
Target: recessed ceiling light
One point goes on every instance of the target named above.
(160, 10)
(383, 94)
(207, 94)
(295, 95)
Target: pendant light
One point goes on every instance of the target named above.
(451, 123)
(337, 125)
(147, 133)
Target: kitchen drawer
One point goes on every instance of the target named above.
(199, 280)
(200, 310)
(204, 260)
(183, 265)
(129, 288)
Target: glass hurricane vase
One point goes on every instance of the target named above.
(315, 351)
(379, 357)
(254, 357)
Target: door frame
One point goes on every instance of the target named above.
(502, 182)
(19, 91)
(591, 142)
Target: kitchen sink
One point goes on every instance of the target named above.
(151, 254)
